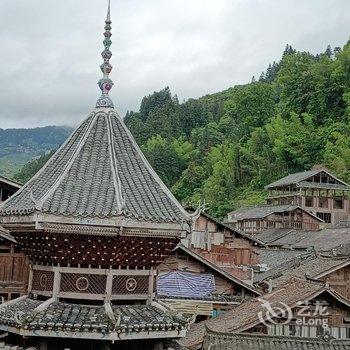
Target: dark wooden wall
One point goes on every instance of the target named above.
(14, 274)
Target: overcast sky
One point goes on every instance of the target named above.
(50, 50)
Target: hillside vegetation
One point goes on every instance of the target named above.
(18, 146)
(222, 149)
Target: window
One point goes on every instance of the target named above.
(309, 201)
(326, 217)
(323, 202)
(338, 203)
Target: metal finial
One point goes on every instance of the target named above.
(109, 11)
(106, 83)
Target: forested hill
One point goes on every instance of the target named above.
(18, 146)
(223, 148)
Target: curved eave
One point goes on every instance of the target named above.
(39, 220)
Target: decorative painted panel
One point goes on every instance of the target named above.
(124, 285)
(83, 283)
(42, 281)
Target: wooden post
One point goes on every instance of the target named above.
(109, 286)
(30, 281)
(56, 282)
(151, 285)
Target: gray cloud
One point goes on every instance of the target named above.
(50, 50)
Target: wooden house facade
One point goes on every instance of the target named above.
(298, 310)
(253, 220)
(316, 191)
(230, 290)
(14, 266)
(219, 242)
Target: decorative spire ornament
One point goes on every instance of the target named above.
(106, 83)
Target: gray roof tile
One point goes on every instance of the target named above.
(293, 178)
(59, 316)
(223, 341)
(299, 178)
(261, 211)
(99, 172)
(323, 240)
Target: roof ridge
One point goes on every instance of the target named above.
(274, 337)
(43, 168)
(114, 167)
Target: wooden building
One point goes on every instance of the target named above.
(220, 243)
(316, 191)
(229, 289)
(299, 311)
(333, 271)
(7, 188)
(95, 223)
(14, 268)
(252, 220)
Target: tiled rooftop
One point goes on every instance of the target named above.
(279, 260)
(322, 240)
(64, 317)
(300, 179)
(99, 172)
(222, 341)
(245, 315)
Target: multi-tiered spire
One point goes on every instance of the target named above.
(106, 83)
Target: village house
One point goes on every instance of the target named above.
(335, 271)
(220, 243)
(309, 200)
(296, 315)
(316, 191)
(191, 284)
(329, 239)
(253, 220)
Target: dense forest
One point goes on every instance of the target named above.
(222, 149)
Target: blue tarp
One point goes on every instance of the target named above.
(185, 284)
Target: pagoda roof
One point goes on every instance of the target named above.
(99, 172)
(52, 318)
